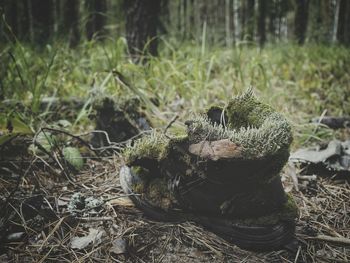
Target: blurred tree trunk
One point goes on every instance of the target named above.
(232, 20)
(248, 19)
(203, 16)
(343, 30)
(300, 21)
(141, 26)
(59, 6)
(325, 21)
(2, 26)
(347, 24)
(237, 20)
(185, 24)
(42, 15)
(97, 17)
(13, 17)
(25, 21)
(228, 23)
(100, 16)
(191, 18)
(272, 20)
(9, 30)
(71, 21)
(165, 19)
(261, 22)
(335, 21)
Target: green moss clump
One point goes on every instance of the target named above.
(246, 111)
(254, 126)
(149, 147)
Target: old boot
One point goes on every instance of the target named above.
(223, 173)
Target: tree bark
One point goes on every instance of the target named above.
(300, 20)
(261, 22)
(141, 26)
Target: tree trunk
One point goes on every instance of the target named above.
(100, 16)
(261, 22)
(9, 29)
(191, 18)
(185, 17)
(89, 26)
(42, 15)
(300, 21)
(97, 18)
(237, 20)
(272, 20)
(141, 26)
(13, 17)
(71, 21)
(335, 21)
(343, 30)
(228, 23)
(249, 32)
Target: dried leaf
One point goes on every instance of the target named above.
(94, 237)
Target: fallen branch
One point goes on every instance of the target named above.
(339, 240)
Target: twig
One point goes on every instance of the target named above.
(71, 135)
(339, 240)
(94, 219)
(171, 123)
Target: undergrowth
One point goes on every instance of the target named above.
(300, 82)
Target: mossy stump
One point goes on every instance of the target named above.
(227, 166)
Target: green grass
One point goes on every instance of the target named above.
(301, 82)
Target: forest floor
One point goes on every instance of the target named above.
(39, 215)
(38, 222)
